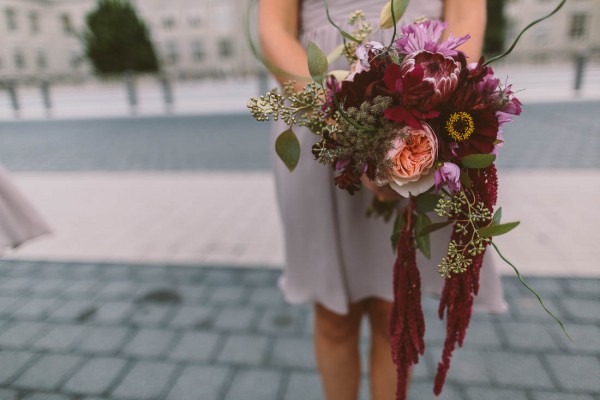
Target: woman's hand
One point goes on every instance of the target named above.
(383, 193)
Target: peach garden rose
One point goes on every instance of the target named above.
(413, 156)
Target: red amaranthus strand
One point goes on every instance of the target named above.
(460, 289)
(407, 326)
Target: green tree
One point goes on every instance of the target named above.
(496, 28)
(117, 40)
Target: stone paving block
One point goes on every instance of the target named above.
(104, 340)
(195, 380)
(244, 349)
(150, 273)
(255, 384)
(8, 395)
(468, 367)
(236, 318)
(583, 310)
(545, 287)
(482, 334)
(187, 274)
(74, 311)
(45, 396)
(9, 304)
(476, 393)
(303, 386)
(524, 370)
(528, 309)
(145, 381)
(228, 295)
(294, 353)
(114, 272)
(152, 315)
(282, 321)
(113, 312)
(48, 287)
(194, 294)
(424, 391)
(199, 346)
(584, 287)
(14, 285)
(61, 337)
(528, 336)
(20, 334)
(266, 296)
(49, 372)
(575, 372)
(560, 396)
(117, 290)
(13, 363)
(83, 289)
(34, 309)
(223, 277)
(149, 343)
(586, 338)
(96, 376)
(260, 278)
(199, 317)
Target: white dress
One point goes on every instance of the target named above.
(334, 254)
(19, 221)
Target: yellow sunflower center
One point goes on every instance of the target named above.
(460, 126)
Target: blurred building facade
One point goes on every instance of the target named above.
(40, 39)
(573, 31)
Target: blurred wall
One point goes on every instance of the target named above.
(40, 39)
(573, 30)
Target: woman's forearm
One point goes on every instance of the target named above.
(278, 31)
(467, 17)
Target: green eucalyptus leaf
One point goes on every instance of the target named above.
(398, 226)
(423, 241)
(386, 20)
(478, 160)
(426, 202)
(497, 230)
(287, 148)
(465, 179)
(317, 62)
(497, 217)
(426, 230)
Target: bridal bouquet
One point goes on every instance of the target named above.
(415, 115)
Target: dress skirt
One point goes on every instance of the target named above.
(334, 254)
(19, 221)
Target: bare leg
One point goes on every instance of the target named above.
(337, 351)
(383, 370)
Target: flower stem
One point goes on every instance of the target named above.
(532, 291)
(537, 21)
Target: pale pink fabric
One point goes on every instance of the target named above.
(19, 221)
(334, 254)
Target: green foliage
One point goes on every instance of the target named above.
(317, 62)
(497, 230)
(496, 28)
(287, 148)
(117, 40)
(478, 160)
(468, 216)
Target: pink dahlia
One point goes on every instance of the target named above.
(425, 36)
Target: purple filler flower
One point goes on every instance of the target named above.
(426, 35)
(449, 174)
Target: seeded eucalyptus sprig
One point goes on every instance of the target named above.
(469, 216)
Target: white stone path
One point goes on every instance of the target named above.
(231, 219)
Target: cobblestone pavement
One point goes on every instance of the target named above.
(548, 135)
(124, 332)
